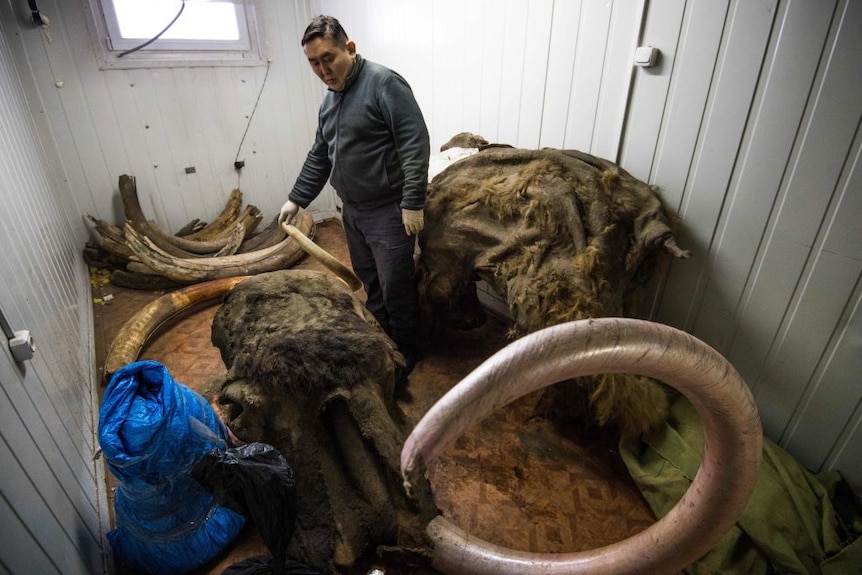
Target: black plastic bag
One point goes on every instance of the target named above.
(256, 481)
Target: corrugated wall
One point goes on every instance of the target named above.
(529, 74)
(751, 131)
(52, 491)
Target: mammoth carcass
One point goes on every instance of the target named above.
(311, 372)
(560, 235)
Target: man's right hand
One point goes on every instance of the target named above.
(288, 212)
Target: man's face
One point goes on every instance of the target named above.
(331, 63)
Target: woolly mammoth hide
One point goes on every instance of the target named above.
(312, 373)
(560, 235)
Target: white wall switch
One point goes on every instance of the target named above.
(646, 56)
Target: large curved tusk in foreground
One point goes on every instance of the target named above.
(710, 507)
(134, 334)
(324, 257)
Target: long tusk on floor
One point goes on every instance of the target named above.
(134, 334)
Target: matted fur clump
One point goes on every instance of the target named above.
(560, 235)
(312, 373)
(301, 332)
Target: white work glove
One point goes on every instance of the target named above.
(414, 221)
(288, 212)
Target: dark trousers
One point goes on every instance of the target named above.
(381, 253)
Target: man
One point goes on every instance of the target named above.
(372, 141)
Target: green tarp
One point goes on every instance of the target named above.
(795, 521)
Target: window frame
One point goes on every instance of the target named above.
(173, 52)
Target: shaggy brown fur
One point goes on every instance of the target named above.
(311, 373)
(561, 236)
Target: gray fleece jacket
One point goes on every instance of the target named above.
(371, 142)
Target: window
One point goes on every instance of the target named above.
(137, 33)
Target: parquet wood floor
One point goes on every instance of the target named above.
(512, 479)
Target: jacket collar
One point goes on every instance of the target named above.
(358, 64)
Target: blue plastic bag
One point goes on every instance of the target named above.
(152, 431)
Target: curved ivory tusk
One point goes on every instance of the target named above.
(225, 244)
(182, 247)
(272, 234)
(134, 334)
(222, 222)
(193, 270)
(710, 507)
(234, 240)
(324, 257)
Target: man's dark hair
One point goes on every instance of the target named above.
(323, 27)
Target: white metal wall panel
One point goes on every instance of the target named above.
(561, 62)
(29, 557)
(788, 72)
(760, 153)
(584, 89)
(836, 375)
(534, 75)
(828, 242)
(512, 91)
(725, 116)
(662, 30)
(529, 74)
(792, 335)
(686, 105)
(53, 492)
(64, 110)
(616, 77)
(833, 393)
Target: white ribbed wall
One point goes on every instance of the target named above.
(52, 492)
(529, 74)
(752, 132)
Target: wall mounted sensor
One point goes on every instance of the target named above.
(22, 345)
(20, 342)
